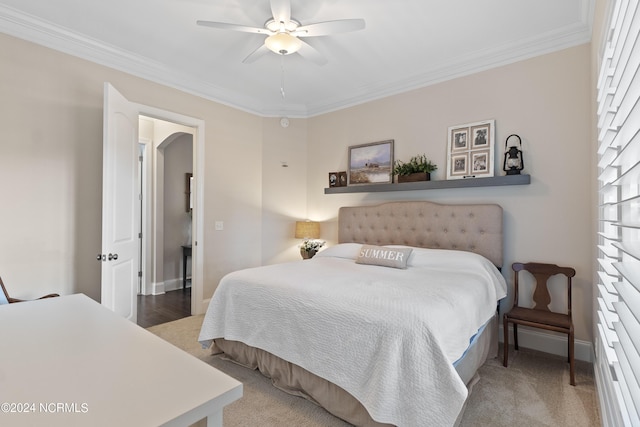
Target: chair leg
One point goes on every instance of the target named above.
(515, 336)
(505, 327)
(572, 377)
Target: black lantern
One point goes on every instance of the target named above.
(513, 160)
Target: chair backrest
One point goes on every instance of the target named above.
(542, 272)
(4, 297)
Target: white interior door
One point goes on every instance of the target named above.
(120, 205)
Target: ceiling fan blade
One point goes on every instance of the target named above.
(234, 27)
(281, 10)
(329, 27)
(256, 54)
(310, 53)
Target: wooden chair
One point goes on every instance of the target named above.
(6, 299)
(540, 316)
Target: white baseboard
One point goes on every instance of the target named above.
(549, 343)
(174, 284)
(157, 288)
(167, 286)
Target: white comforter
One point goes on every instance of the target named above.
(401, 329)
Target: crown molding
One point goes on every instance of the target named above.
(44, 33)
(552, 41)
(470, 64)
(35, 30)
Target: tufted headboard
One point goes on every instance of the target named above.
(473, 228)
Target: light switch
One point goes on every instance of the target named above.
(219, 225)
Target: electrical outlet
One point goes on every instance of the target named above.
(219, 225)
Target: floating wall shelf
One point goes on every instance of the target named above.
(494, 181)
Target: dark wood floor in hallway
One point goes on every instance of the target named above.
(156, 309)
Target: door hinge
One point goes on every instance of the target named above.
(139, 273)
(139, 235)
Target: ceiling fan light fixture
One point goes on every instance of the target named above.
(283, 43)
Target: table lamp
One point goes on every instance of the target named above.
(308, 230)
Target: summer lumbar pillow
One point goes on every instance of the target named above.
(383, 256)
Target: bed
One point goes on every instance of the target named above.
(374, 344)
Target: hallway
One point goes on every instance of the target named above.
(156, 309)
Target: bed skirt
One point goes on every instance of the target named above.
(298, 381)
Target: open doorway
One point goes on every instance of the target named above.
(167, 165)
(126, 263)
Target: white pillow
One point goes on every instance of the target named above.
(341, 250)
(384, 256)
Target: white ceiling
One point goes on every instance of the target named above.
(406, 44)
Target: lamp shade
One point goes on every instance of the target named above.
(283, 43)
(307, 230)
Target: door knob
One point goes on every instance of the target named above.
(113, 257)
(99, 257)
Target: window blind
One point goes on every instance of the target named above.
(618, 302)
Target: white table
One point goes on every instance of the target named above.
(69, 361)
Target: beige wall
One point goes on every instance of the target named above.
(51, 172)
(284, 186)
(545, 100)
(51, 144)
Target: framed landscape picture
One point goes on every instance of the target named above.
(470, 150)
(371, 163)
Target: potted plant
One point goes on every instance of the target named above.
(418, 168)
(310, 247)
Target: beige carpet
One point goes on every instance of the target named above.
(533, 391)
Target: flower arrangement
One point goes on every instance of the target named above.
(311, 245)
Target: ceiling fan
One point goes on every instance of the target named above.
(284, 34)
